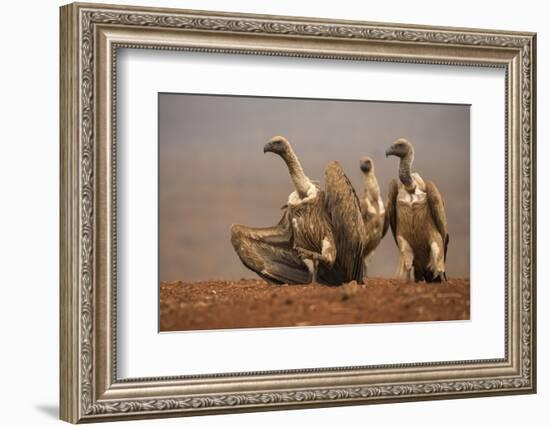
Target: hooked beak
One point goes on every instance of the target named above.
(390, 152)
(267, 147)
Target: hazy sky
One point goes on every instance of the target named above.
(213, 171)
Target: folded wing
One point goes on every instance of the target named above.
(437, 210)
(391, 209)
(343, 208)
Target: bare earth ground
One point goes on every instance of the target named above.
(250, 303)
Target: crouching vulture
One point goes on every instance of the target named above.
(319, 238)
(416, 213)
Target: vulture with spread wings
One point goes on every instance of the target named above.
(321, 237)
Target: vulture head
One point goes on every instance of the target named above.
(278, 145)
(366, 164)
(401, 148)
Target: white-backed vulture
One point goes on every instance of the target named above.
(302, 243)
(311, 230)
(372, 210)
(320, 237)
(416, 213)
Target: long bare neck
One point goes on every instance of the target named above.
(301, 182)
(405, 172)
(372, 189)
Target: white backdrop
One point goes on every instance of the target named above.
(29, 171)
(145, 353)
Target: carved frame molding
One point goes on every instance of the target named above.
(90, 37)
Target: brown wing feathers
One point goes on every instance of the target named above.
(437, 210)
(391, 209)
(343, 209)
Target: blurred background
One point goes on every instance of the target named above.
(213, 172)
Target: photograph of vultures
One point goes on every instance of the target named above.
(291, 212)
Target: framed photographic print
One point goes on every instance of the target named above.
(207, 186)
(265, 212)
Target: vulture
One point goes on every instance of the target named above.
(416, 213)
(320, 237)
(372, 210)
(312, 235)
(293, 250)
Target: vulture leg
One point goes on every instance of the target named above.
(313, 259)
(366, 261)
(269, 253)
(314, 270)
(312, 266)
(365, 272)
(405, 260)
(437, 260)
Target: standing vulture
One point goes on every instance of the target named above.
(372, 209)
(416, 213)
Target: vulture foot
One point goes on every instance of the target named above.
(436, 276)
(440, 276)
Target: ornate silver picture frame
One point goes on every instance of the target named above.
(91, 390)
